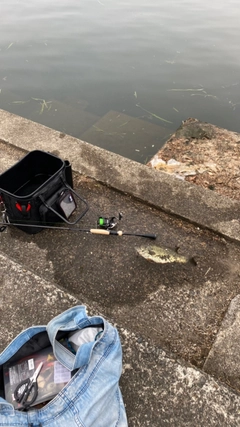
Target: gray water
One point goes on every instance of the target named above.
(121, 74)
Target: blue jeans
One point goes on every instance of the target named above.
(92, 397)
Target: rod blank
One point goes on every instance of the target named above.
(121, 233)
(91, 230)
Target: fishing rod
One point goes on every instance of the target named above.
(101, 231)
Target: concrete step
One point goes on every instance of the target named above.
(70, 119)
(223, 360)
(185, 303)
(188, 302)
(9, 156)
(158, 389)
(126, 135)
(173, 307)
(161, 190)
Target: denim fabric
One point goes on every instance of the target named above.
(92, 398)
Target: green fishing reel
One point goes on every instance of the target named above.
(108, 223)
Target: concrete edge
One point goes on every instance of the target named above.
(188, 395)
(202, 207)
(223, 360)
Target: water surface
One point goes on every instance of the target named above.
(121, 74)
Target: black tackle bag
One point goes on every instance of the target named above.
(38, 190)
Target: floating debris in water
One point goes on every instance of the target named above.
(123, 124)
(205, 95)
(186, 90)
(152, 114)
(161, 255)
(44, 104)
(135, 94)
(10, 45)
(20, 102)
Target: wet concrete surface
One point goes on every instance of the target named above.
(178, 306)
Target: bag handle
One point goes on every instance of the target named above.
(71, 320)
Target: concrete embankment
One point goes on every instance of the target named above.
(170, 316)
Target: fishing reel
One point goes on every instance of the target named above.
(108, 223)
